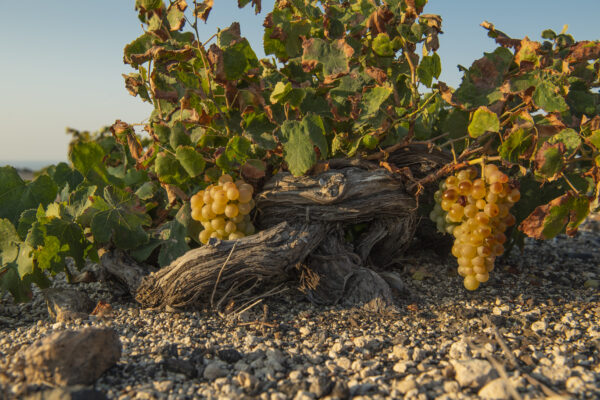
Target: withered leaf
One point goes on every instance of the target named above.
(203, 9)
(585, 50)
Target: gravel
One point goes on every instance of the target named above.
(532, 331)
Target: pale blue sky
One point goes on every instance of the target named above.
(62, 60)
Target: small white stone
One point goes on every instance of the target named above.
(400, 367)
(497, 389)
(472, 373)
(575, 385)
(539, 326)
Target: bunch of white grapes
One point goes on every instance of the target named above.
(224, 209)
(476, 211)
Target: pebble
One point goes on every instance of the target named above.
(496, 389)
(472, 373)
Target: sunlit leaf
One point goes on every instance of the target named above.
(483, 121)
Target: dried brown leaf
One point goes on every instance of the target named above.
(583, 51)
(203, 9)
(533, 225)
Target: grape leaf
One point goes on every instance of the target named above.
(430, 67)
(238, 59)
(483, 121)
(382, 46)
(334, 56)
(298, 148)
(62, 174)
(563, 214)
(546, 96)
(373, 99)
(169, 170)
(190, 160)
(549, 159)
(87, 158)
(119, 218)
(516, 145)
(17, 195)
(260, 130)
(569, 137)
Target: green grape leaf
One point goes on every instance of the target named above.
(563, 214)
(260, 130)
(516, 145)
(9, 242)
(169, 170)
(549, 159)
(456, 123)
(190, 160)
(47, 256)
(80, 200)
(373, 99)
(549, 34)
(528, 52)
(313, 125)
(430, 67)
(238, 59)
(334, 56)
(71, 238)
(62, 174)
(27, 219)
(569, 137)
(178, 136)
(283, 34)
(175, 15)
(139, 46)
(285, 94)
(87, 158)
(17, 195)
(382, 46)
(547, 97)
(483, 121)
(173, 245)
(119, 218)
(148, 4)
(298, 149)
(146, 191)
(594, 138)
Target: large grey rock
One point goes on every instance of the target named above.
(473, 373)
(65, 304)
(72, 357)
(68, 393)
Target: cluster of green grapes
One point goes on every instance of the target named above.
(224, 209)
(476, 211)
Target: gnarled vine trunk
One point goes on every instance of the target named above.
(303, 222)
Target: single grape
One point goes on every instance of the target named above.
(218, 223)
(236, 235)
(197, 200)
(470, 210)
(500, 237)
(490, 170)
(238, 218)
(491, 210)
(231, 210)
(482, 277)
(464, 175)
(496, 188)
(233, 193)
(464, 188)
(249, 229)
(244, 195)
(456, 212)
(230, 227)
(204, 236)
(478, 193)
(207, 198)
(220, 197)
(514, 196)
(484, 251)
(225, 178)
(218, 208)
(244, 208)
(197, 214)
(451, 181)
(471, 282)
(480, 204)
(468, 251)
(450, 195)
(502, 210)
(509, 220)
(482, 218)
(207, 212)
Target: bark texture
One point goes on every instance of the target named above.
(303, 223)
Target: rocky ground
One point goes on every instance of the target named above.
(532, 331)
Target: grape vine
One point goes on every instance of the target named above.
(347, 79)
